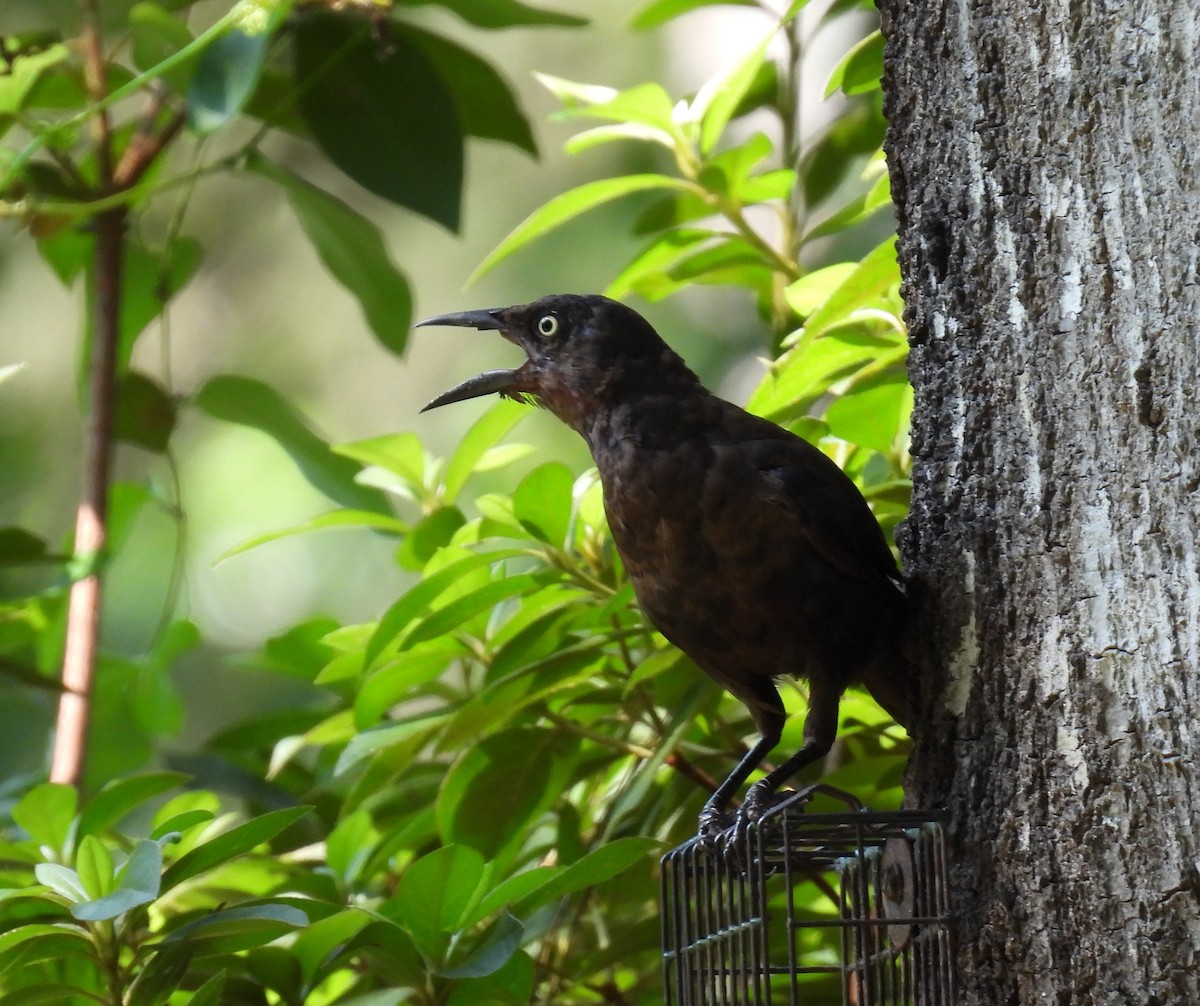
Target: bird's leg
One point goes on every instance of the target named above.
(820, 729)
(766, 707)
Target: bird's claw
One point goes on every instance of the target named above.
(728, 835)
(714, 822)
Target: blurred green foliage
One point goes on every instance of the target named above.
(460, 800)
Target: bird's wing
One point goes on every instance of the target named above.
(828, 509)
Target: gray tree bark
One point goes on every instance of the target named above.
(1045, 168)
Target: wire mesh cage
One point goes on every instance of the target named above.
(811, 908)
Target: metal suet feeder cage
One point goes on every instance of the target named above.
(811, 908)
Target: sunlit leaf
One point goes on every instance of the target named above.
(570, 204)
(226, 846)
(542, 502)
(661, 11)
(870, 279)
(326, 521)
(321, 940)
(720, 97)
(860, 69)
(874, 412)
(486, 431)
(601, 864)
(23, 72)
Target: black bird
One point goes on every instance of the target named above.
(747, 547)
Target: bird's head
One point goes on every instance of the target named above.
(582, 352)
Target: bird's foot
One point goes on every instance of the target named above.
(714, 822)
(759, 799)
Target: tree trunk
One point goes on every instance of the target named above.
(1046, 176)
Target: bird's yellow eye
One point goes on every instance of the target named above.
(547, 326)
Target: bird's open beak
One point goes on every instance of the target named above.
(504, 382)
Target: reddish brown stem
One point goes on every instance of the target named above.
(83, 614)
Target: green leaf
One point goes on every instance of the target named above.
(599, 865)
(511, 890)
(436, 893)
(510, 985)
(157, 979)
(570, 204)
(94, 866)
(644, 104)
(322, 522)
(396, 679)
(137, 883)
(493, 954)
(209, 994)
(506, 14)
(807, 293)
(483, 434)
(52, 993)
(46, 813)
(19, 547)
(874, 412)
(251, 403)
(120, 797)
(870, 279)
(22, 73)
(853, 135)
(405, 611)
(231, 930)
(399, 453)
(658, 13)
(487, 107)
(62, 880)
(156, 35)
(367, 743)
(860, 70)
(145, 412)
(225, 76)
(720, 97)
(651, 265)
(432, 532)
(353, 251)
(861, 207)
(542, 502)
(806, 372)
(381, 113)
(349, 844)
(457, 612)
(32, 931)
(322, 940)
(231, 844)
(498, 786)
